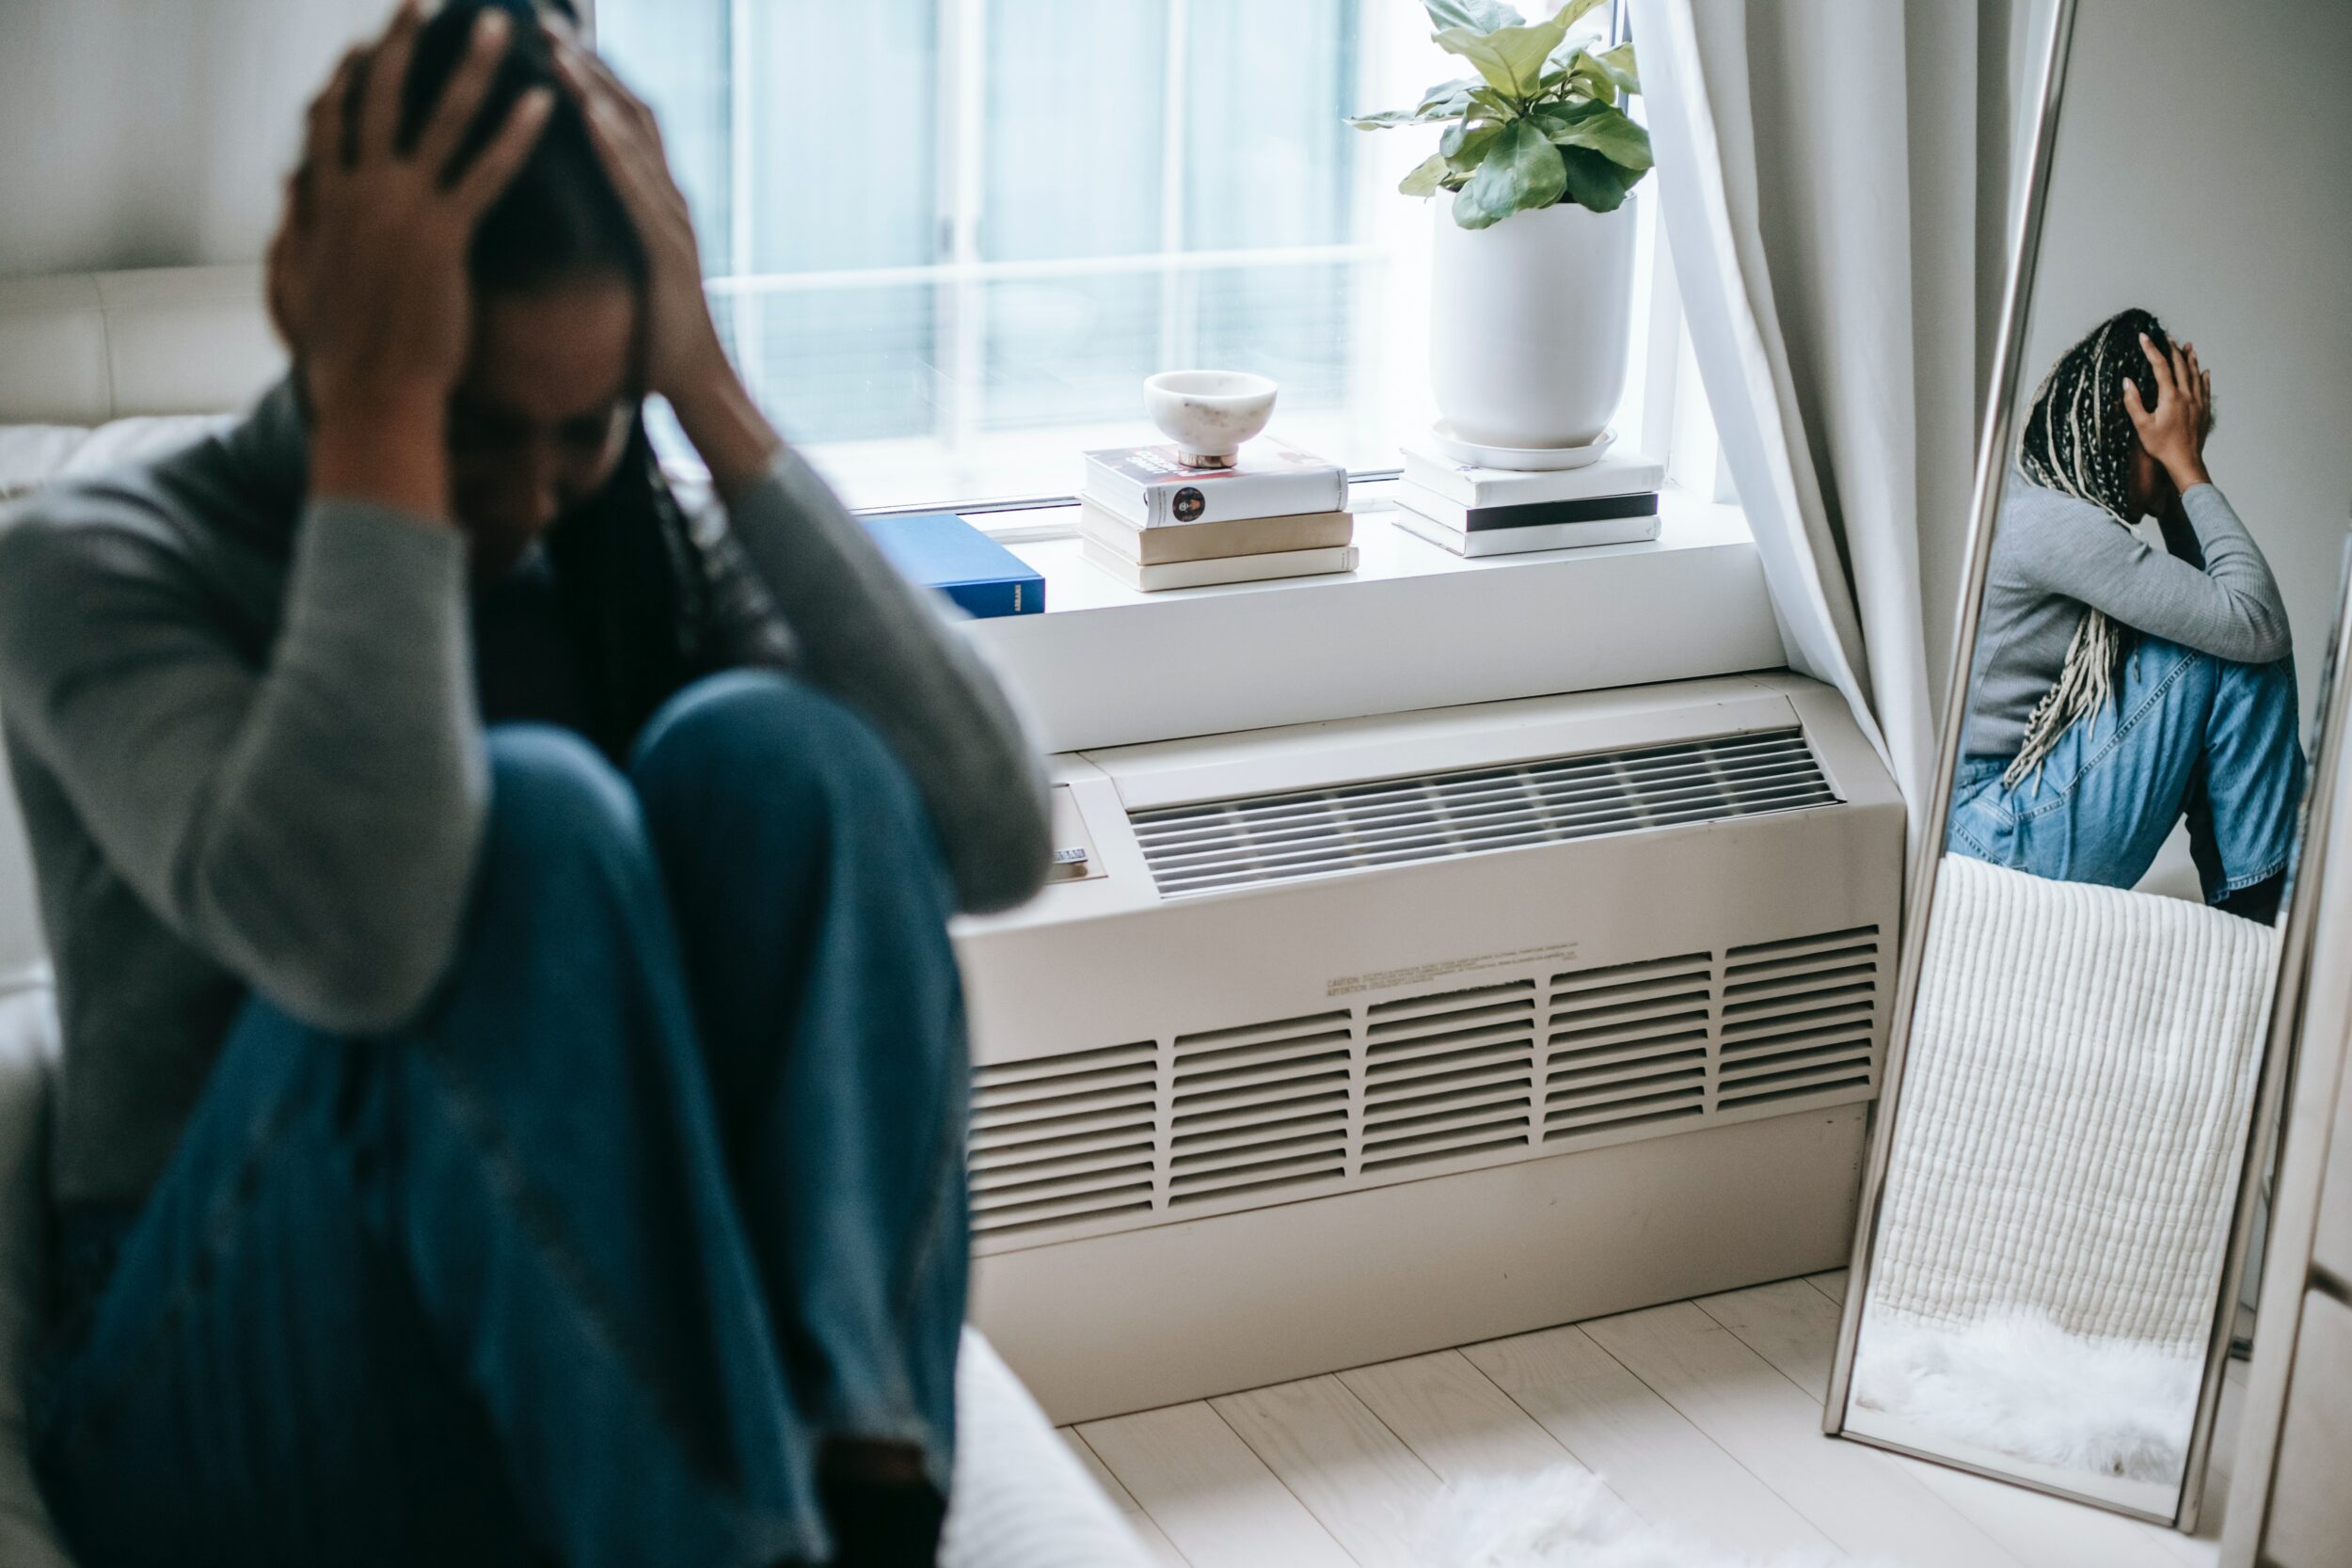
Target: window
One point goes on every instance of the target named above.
(948, 239)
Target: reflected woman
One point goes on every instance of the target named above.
(2119, 689)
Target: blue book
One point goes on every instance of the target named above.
(940, 551)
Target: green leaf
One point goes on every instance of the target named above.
(1445, 100)
(1570, 15)
(1595, 181)
(1521, 171)
(1464, 147)
(1510, 59)
(1448, 98)
(1493, 105)
(1619, 64)
(1426, 177)
(1600, 128)
(1482, 16)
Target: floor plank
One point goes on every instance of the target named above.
(1671, 1472)
(1156, 1546)
(1212, 1496)
(1355, 1477)
(1768, 1425)
(1831, 1283)
(1796, 1330)
(1789, 1323)
(1453, 1417)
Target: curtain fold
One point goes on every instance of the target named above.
(1820, 175)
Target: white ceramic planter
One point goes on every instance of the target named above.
(1529, 324)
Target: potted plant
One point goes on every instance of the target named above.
(1533, 269)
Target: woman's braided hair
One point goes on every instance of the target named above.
(2078, 441)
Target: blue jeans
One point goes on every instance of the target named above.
(665, 1191)
(2188, 736)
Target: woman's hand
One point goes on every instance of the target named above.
(2174, 431)
(367, 275)
(685, 360)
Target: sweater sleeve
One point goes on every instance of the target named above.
(311, 823)
(866, 635)
(2231, 608)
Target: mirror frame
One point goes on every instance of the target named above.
(2300, 905)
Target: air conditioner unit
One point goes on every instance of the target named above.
(1352, 1040)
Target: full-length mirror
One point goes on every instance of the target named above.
(2045, 1287)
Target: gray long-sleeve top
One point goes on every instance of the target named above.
(244, 734)
(2053, 555)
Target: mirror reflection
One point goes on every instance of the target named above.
(2095, 965)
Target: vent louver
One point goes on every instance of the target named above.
(1418, 1086)
(1629, 1045)
(1260, 1107)
(1275, 838)
(1798, 1017)
(1448, 1074)
(1064, 1138)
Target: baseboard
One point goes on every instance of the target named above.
(1176, 1312)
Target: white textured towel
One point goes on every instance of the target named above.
(2075, 1104)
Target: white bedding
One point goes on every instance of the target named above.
(2074, 1108)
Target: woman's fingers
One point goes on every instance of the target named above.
(507, 148)
(2133, 407)
(325, 139)
(387, 73)
(593, 79)
(2165, 387)
(461, 100)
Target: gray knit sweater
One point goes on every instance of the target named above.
(243, 730)
(2053, 555)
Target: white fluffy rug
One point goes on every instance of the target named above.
(2019, 1384)
(1566, 1518)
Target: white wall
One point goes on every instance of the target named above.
(154, 133)
(2200, 173)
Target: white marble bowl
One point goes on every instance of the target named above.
(1209, 414)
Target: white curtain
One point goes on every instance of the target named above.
(1825, 169)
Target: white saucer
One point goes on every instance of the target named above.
(1525, 459)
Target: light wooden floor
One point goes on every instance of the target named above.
(1705, 1414)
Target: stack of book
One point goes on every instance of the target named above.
(1152, 523)
(1474, 511)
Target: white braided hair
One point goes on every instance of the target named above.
(2078, 442)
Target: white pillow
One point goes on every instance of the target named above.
(33, 454)
(123, 442)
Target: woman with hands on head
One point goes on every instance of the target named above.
(2119, 690)
(513, 1098)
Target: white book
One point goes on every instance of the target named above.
(1238, 569)
(1149, 488)
(1468, 484)
(1482, 519)
(1518, 541)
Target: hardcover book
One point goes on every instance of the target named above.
(1519, 541)
(1149, 488)
(939, 549)
(1480, 519)
(1152, 546)
(1467, 485)
(1231, 568)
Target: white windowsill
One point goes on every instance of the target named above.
(1414, 627)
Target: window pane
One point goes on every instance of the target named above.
(1265, 89)
(1070, 128)
(843, 133)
